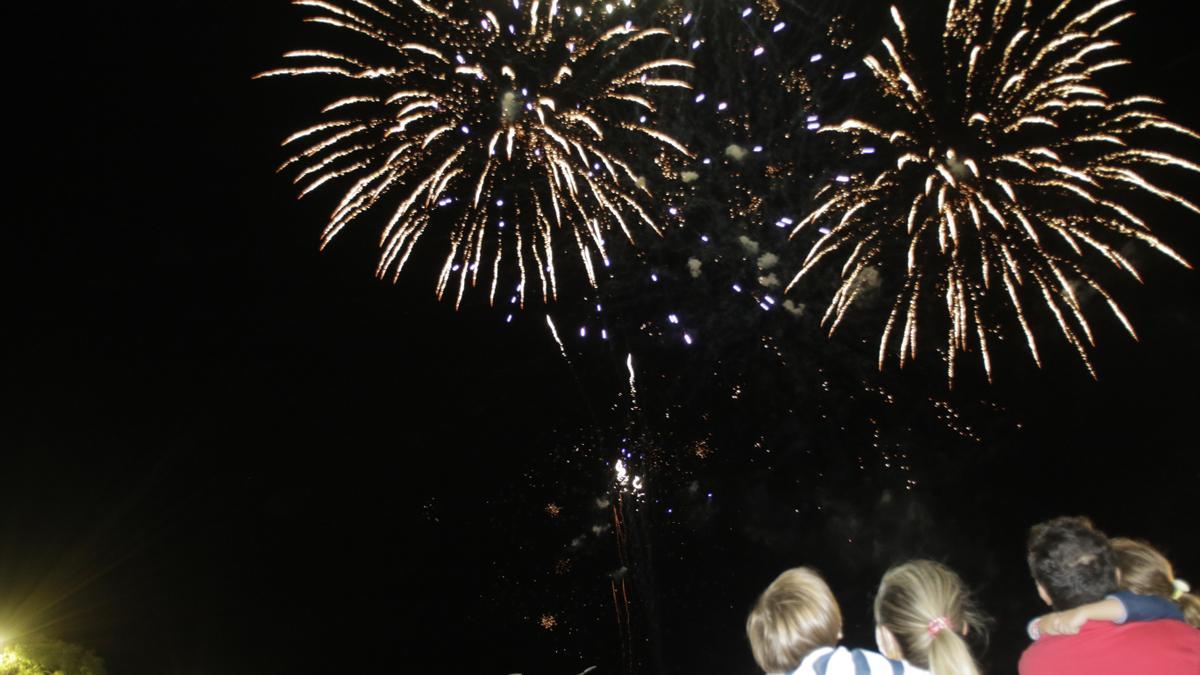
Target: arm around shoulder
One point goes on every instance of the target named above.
(1146, 607)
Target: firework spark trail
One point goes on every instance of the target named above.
(624, 617)
(554, 333)
(632, 381)
(1000, 183)
(519, 122)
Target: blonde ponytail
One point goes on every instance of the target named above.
(927, 608)
(949, 655)
(1146, 571)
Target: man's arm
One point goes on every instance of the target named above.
(1070, 621)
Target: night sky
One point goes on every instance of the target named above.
(225, 451)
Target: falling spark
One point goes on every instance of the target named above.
(998, 185)
(554, 331)
(632, 378)
(516, 116)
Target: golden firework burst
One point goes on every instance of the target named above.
(507, 126)
(1006, 166)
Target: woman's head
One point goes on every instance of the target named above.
(922, 612)
(1146, 571)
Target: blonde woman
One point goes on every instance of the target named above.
(922, 613)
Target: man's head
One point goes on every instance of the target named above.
(794, 616)
(1072, 562)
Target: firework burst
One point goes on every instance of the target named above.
(510, 129)
(1008, 164)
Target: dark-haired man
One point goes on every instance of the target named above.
(1073, 565)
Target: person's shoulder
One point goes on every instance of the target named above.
(1144, 635)
(1048, 654)
(1165, 628)
(1107, 632)
(868, 662)
(843, 661)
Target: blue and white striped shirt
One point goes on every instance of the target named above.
(842, 661)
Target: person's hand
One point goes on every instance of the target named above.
(1062, 623)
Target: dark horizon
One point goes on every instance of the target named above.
(229, 452)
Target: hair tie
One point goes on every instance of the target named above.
(1181, 587)
(938, 625)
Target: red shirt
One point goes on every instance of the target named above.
(1101, 648)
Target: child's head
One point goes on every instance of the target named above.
(1144, 570)
(922, 612)
(794, 616)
